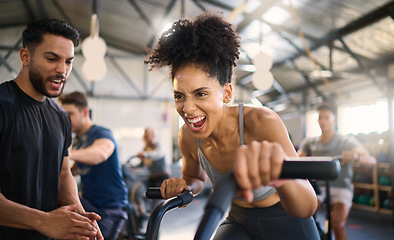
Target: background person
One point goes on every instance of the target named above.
(330, 143)
(218, 138)
(154, 159)
(38, 195)
(94, 150)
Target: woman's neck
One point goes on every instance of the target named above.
(227, 127)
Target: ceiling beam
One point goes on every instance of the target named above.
(144, 17)
(354, 26)
(29, 10)
(216, 4)
(199, 5)
(167, 12)
(62, 12)
(128, 47)
(41, 10)
(4, 62)
(126, 77)
(256, 14)
(308, 81)
(361, 65)
(17, 23)
(80, 80)
(16, 46)
(279, 29)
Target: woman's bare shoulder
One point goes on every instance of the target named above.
(262, 123)
(260, 114)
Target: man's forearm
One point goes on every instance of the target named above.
(98, 152)
(16, 215)
(87, 156)
(68, 191)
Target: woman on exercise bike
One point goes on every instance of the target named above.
(218, 137)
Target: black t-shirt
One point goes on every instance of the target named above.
(34, 138)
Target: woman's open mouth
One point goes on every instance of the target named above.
(196, 124)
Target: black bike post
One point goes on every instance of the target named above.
(226, 188)
(328, 213)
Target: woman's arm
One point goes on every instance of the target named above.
(193, 176)
(260, 162)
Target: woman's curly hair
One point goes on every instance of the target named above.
(208, 42)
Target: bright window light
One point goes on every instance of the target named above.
(276, 15)
(354, 119)
(312, 125)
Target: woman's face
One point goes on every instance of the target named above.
(199, 99)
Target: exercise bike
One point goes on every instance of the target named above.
(153, 226)
(325, 231)
(138, 206)
(225, 190)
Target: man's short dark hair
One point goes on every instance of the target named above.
(77, 98)
(327, 106)
(35, 30)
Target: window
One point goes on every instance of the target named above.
(354, 119)
(312, 125)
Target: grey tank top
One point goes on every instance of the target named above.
(214, 175)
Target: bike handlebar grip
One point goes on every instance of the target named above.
(153, 193)
(186, 196)
(321, 170)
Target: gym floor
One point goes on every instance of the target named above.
(181, 224)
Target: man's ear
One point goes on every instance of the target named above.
(86, 112)
(25, 56)
(227, 93)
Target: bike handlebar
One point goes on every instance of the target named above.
(311, 169)
(227, 186)
(180, 200)
(153, 193)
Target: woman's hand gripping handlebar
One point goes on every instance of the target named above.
(180, 200)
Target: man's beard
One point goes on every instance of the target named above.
(38, 82)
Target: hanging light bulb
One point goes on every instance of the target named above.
(94, 70)
(262, 61)
(262, 78)
(94, 49)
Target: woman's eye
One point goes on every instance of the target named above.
(177, 97)
(201, 94)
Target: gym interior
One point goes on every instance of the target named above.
(313, 51)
